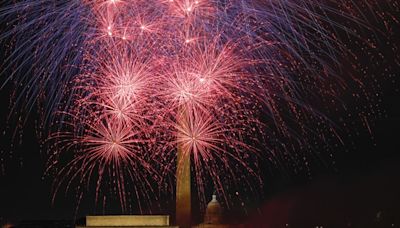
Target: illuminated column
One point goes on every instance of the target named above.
(183, 189)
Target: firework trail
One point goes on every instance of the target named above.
(123, 82)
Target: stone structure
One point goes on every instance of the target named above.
(127, 221)
(183, 184)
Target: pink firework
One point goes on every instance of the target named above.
(125, 82)
(217, 149)
(205, 75)
(110, 151)
(110, 127)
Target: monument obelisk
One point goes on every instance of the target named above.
(183, 183)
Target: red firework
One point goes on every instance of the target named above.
(146, 76)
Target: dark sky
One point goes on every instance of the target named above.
(365, 183)
(366, 180)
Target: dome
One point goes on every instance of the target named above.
(213, 212)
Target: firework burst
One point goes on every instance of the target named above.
(108, 151)
(124, 82)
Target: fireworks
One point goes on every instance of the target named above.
(124, 82)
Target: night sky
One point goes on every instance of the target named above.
(362, 187)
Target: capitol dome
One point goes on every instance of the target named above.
(213, 212)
